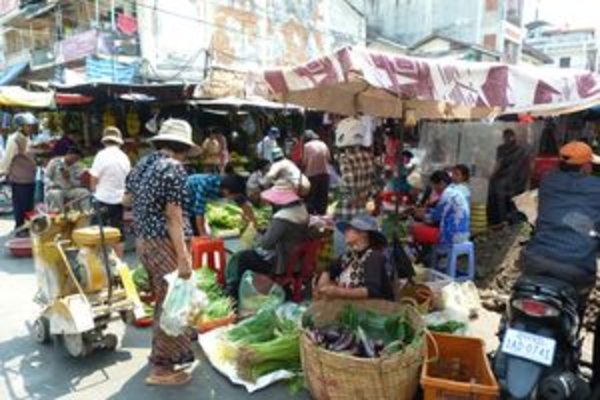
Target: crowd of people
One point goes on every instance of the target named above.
(169, 204)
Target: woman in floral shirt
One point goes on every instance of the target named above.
(157, 191)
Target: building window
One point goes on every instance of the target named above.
(489, 42)
(491, 5)
(511, 52)
(564, 62)
(514, 11)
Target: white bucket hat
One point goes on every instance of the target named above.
(175, 130)
(112, 134)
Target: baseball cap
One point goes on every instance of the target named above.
(578, 153)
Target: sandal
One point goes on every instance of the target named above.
(173, 379)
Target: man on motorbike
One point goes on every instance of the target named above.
(563, 246)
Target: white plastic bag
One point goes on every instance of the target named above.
(461, 299)
(182, 302)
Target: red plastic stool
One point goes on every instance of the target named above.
(213, 249)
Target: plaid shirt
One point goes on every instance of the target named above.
(357, 166)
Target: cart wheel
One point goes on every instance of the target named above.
(127, 317)
(75, 345)
(41, 330)
(110, 341)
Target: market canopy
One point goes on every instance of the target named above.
(248, 102)
(356, 80)
(15, 96)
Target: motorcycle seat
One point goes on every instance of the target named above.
(546, 285)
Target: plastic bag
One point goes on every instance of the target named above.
(461, 299)
(247, 238)
(182, 303)
(259, 291)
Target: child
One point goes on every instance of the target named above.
(460, 178)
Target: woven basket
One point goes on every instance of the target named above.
(333, 376)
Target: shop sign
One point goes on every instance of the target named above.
(79, 46)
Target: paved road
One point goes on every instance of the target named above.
(32, 371)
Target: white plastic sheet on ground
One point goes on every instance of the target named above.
(209, 343)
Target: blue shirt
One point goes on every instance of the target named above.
(464, 189)
(569, 206)
(202, 188)
(452, 214)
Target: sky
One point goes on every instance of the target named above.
(572, 13)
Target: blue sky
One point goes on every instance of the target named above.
(574, 13)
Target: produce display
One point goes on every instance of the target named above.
(141, 279)
(219, 305)
(262, 344)
(222, 216)
(364, 334)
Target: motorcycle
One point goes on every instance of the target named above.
(540, 343)
(539, 356)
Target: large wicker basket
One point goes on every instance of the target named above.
(333, 376)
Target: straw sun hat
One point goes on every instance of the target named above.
(175, 130)
(112, 134)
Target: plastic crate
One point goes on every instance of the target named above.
(469, 354)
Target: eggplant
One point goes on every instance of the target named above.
(332, 334)
(344, 342)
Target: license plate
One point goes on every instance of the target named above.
(527, 345)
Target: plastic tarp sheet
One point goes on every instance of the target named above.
(15, 96)
(210, 344)
(9, 75)
(445, 144)
(355, 79)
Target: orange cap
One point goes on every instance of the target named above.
(577, 153)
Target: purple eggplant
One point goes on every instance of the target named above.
(344, 342)
(332, 334)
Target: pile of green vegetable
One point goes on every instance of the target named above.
(141, 279)
(223, 216)
(219, 306)
(263, 216)
(263, 344)
(227, 216)
(363, 333)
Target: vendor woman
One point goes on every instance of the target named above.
(156, 188)
(288, 229)
(360, 273)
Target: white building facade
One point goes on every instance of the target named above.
(496, 25)
(568, 48)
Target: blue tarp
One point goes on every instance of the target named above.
(10, 74)
(109, 71)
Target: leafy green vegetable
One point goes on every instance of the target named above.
(206, 280)
(447, 327)
(218, 308)
(223, 216)
(140, 278)
(255, 360)
(260, 328)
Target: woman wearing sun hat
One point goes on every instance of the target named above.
(360, 273)
(157, 190)
(287, 229)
